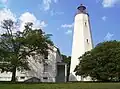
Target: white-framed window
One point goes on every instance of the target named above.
(45, 78)
(22, 77)
(45, 67)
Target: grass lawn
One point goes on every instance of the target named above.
(62, 86)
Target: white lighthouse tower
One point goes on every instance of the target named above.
(82, 41)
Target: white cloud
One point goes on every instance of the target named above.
(55, 1)
(104, 18)
(29, 17)
(69, 32)
(110, 3)
(58, 28)
(47, 4)
(4, 1)
(56, 13)
(6, 14)
(43, 24)
(109, 36)
(67, 25)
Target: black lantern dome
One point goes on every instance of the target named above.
(81, 9)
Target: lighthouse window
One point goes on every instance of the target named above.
(87, 40)
(85, 24)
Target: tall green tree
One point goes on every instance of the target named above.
(67, 60)
(16, 47)
(101, 63)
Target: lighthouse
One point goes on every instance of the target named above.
(82, 41)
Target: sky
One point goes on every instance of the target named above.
(57, 17)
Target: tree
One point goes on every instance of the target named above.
(17, 47)
(67, 60)
(101, 63)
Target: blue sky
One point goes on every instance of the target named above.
(57, 17)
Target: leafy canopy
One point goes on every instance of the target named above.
(17, 47)
(101, 63)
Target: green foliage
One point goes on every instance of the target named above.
(16, 47)
(67, 59)
(101, 63)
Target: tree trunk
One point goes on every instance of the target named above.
(13, 75)
(119, 79)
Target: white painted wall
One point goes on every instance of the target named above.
(37, 68)
(80, 45)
